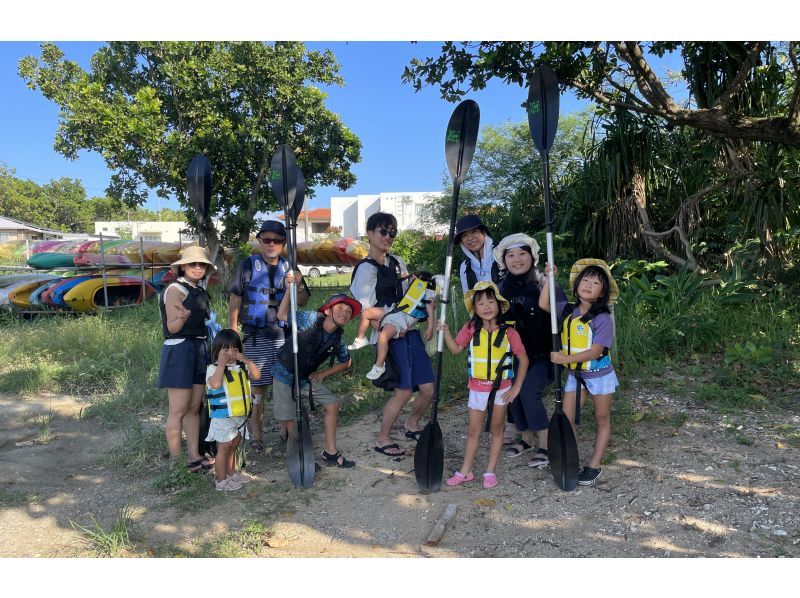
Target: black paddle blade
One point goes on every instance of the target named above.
(300, 455)
(429, 458)
(198, 185)
(543, 99)
(461, 137)
(283, 177)
(563, 452)
(300, 195)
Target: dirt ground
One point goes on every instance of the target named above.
(686, 482)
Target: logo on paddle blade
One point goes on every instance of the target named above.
(453, 136)
(274, 175)
(534, 107)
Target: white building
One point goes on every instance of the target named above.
(167, 231)
(351, 213)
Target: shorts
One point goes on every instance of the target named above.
(262, 348)
(400, 320)
(183, 364)
(478, 399)
(412, 361)
(527, 410)
(225, 429)
(604, 385)
(284, 405)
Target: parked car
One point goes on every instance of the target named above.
(317, 271)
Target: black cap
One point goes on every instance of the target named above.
(469, 222)
(272, 226)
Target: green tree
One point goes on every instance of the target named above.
(149, 107)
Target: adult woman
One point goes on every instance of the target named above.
(477, 245)
(184, 357)
(518, 255)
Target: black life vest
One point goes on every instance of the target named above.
(197, 302)
(312, 351)
(532, 323)
(388, 286)
(472, 278)
(262, 292)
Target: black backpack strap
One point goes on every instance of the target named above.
(469, 274)
(501, 367)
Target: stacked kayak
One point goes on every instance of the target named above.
(334, 252)
(89, 294)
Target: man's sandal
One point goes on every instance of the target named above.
(515, 450)
(337, 460)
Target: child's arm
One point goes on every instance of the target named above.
(544, 296)
(285, 307)
(320, 375)
(454, 347)
(215, 380)
(430, 309)
(252, 369)
(593, 353)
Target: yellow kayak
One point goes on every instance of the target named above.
(20, 296)
(122, 290)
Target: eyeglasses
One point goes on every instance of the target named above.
(197, 265)
(270, 241)
(392, 233)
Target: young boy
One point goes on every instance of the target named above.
(319, 339)
(417, 304)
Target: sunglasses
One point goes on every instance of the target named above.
(197, 265)
(384, 231)
(270, 241)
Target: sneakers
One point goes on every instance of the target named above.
(459, 478)
(358, 343)
(227, 485)
(376, 372)
(489, 480)
(240, 478)
(540, 459)
(589, 476)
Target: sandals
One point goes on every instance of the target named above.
(413, 435)
(337, 459)
(256, 446)
(201, 464)
(489, 480)
(459, 478)
(515, 450)
(540, 459)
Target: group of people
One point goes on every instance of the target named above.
(508, 338)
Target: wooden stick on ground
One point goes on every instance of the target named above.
(441, 526)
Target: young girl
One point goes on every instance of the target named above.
(416, 304)
(228, 379)
(587, 332)
(493, 348)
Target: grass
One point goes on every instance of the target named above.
(109, 542)
(43, 423)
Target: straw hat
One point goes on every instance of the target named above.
(192, 254)
(516, 240)
(482, 286)
(581, 265)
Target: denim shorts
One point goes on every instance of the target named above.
(183, 365)
(604, 385)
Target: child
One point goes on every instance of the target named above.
(417, 304)
(493, 347)
(319, 339)
(587, 333)
(228, 380)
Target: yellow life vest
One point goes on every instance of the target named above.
(232, 399)
(487, 352)
(576, 337)
(414, 296)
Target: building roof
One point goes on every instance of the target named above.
(320, 214)
(7, 223)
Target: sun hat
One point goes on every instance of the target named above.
(272, 226)
(516, 240)
(192, 254)
(341, 298)
(469, 222)
(482, 286)
(581, 265)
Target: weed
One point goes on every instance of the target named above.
(108, 542)
(16, 498)
(248, 541)
(610, 457)
(140, 449)
(736, 465)
(43, 422)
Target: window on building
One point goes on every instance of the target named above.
(319, 228)
(155, 238)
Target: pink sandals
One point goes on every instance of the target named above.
(489, 480)
(459, 478)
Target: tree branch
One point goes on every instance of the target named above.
(608, 101)
(740, 78)
(690, 261)
(692, 201)
(649, 84)
(794, 105)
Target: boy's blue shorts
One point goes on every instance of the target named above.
(412, 360)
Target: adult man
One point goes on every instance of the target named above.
(376, 281)
(256, 290)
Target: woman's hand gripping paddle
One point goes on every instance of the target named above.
(285, 179)
(543, 121)
(459, 147)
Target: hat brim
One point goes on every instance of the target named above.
(505, 305)
(354, 305)
(582, 264)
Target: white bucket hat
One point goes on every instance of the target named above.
(516, 240)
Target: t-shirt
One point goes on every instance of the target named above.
(364, 281)
(305, 320)
(464, 338)
(602, 327)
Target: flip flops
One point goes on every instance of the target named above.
(333, 460)
(199, 465)
(384, 450)
(413, 435)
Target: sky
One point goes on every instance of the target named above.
(402, 132)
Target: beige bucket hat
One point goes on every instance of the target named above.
(482, 286)
(192, 254)
(582, 264)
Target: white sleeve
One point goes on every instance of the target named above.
(403, 271)
(462, 274)
(363, 286)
